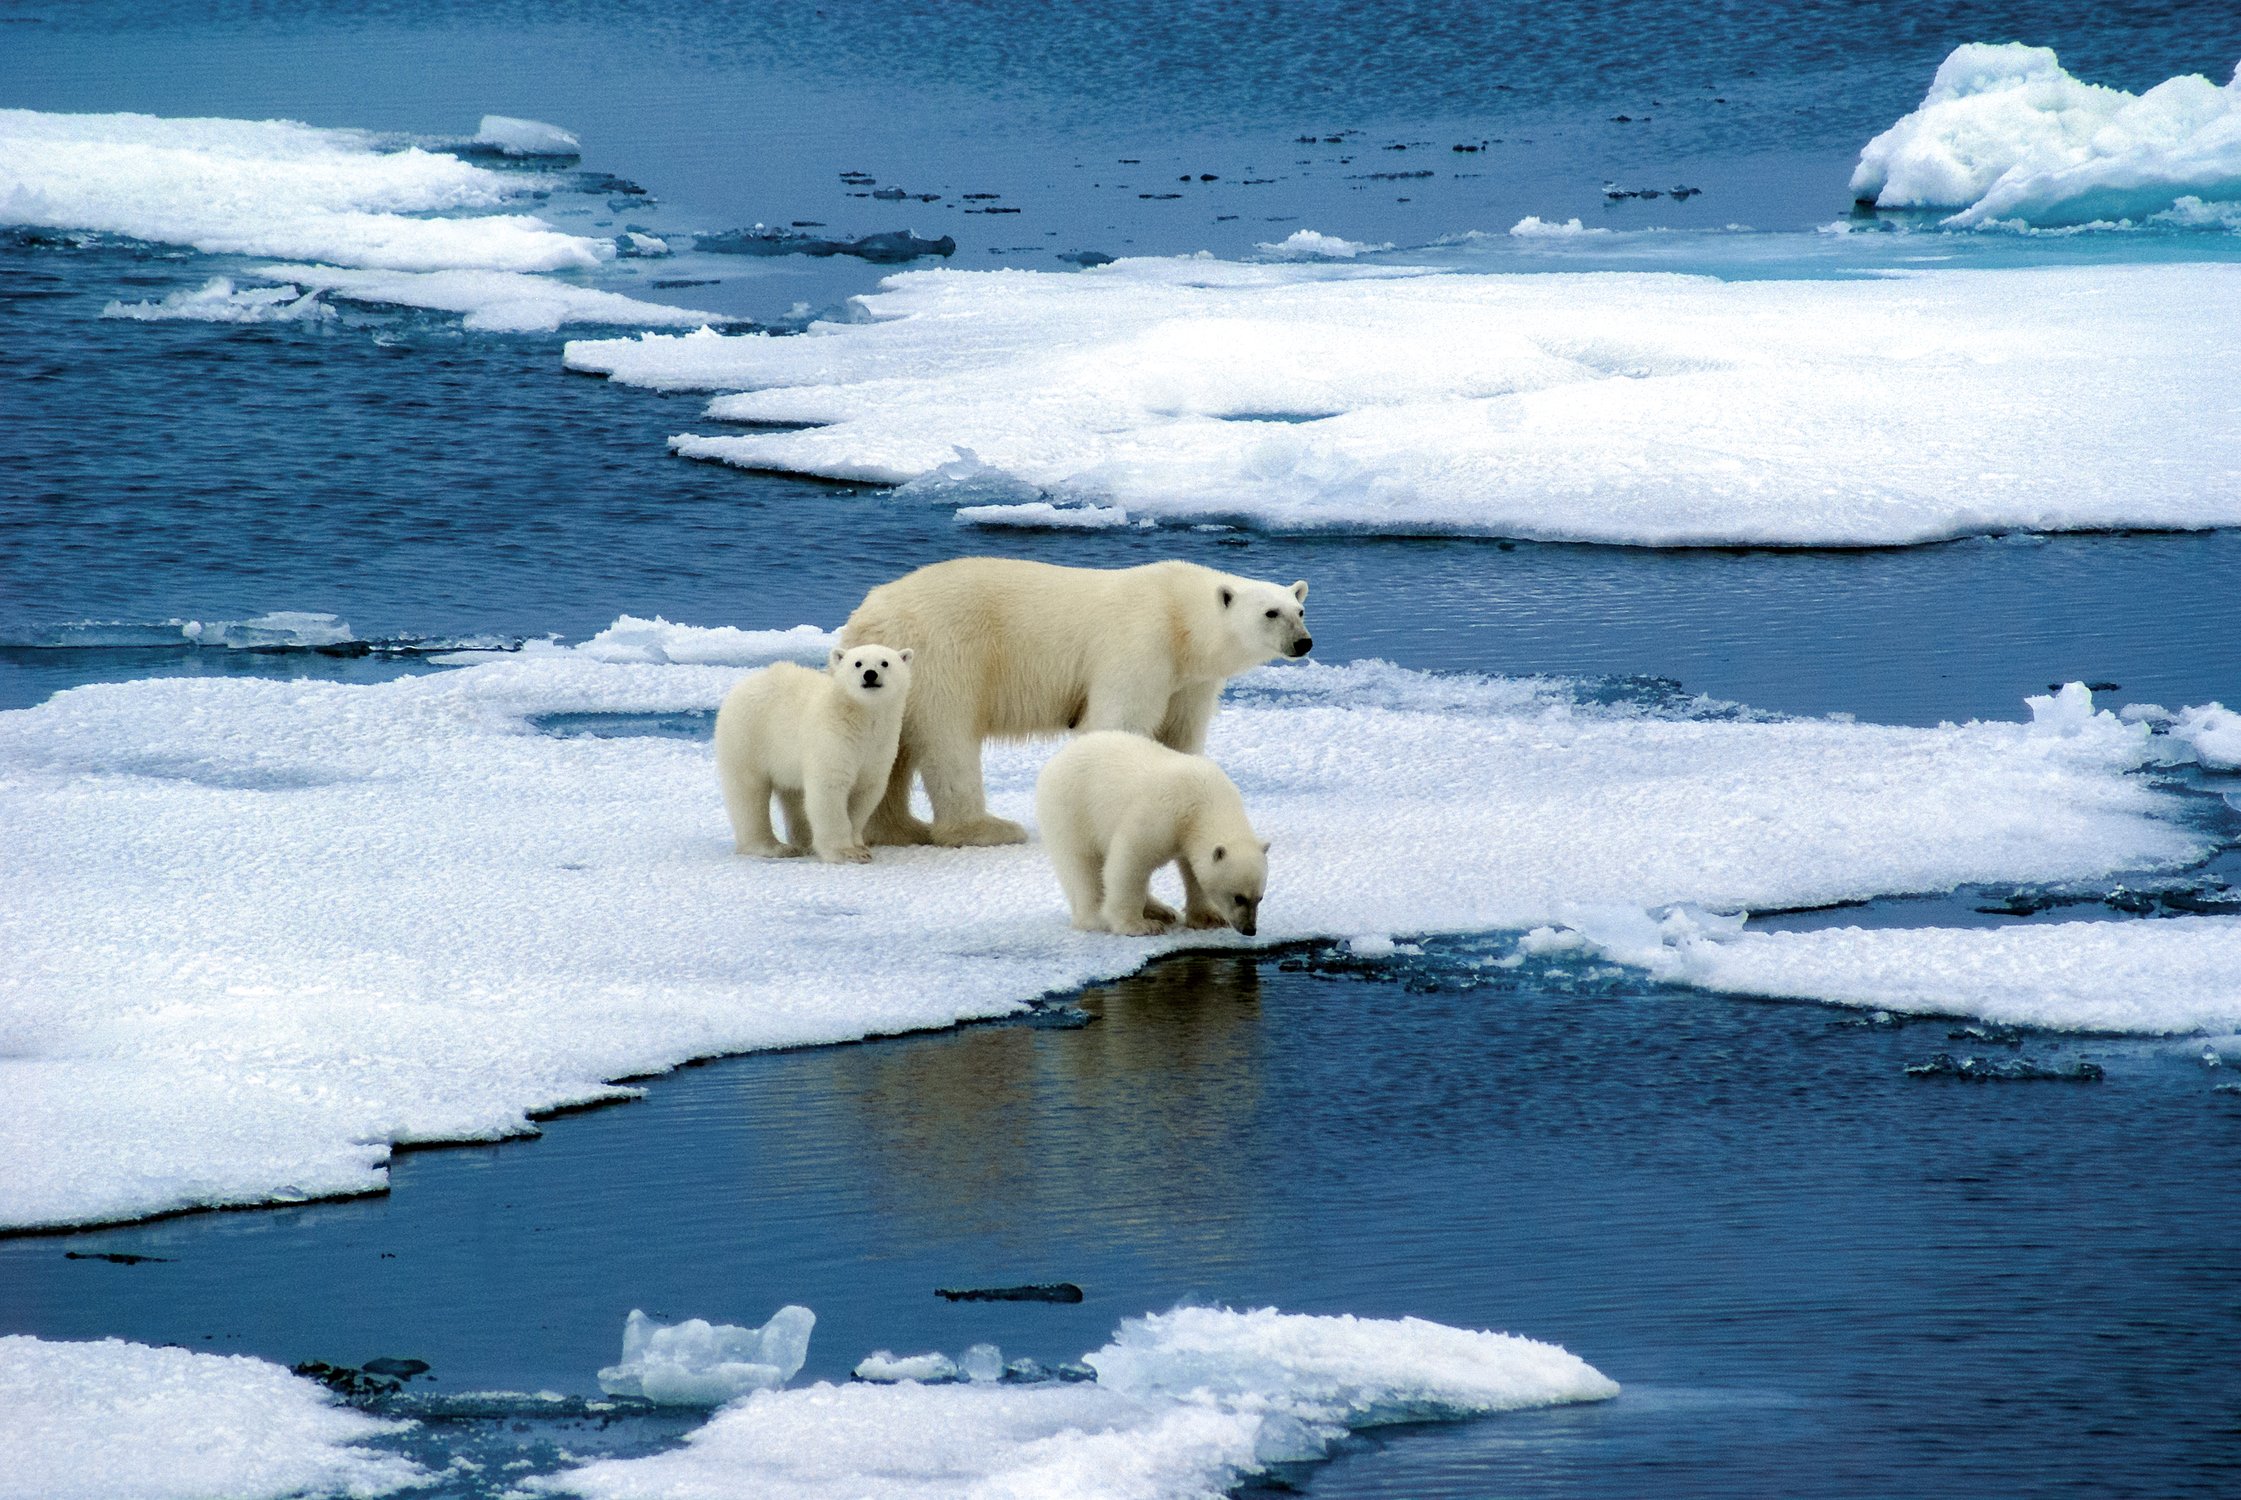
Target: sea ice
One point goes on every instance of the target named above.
(2213, 733)
(526, 137)
(273, 188)
(118, 1421)
(884, 1367)
(1185, 1404)
(494, 301)
(217, 301)
(1623, 407)
(1534, 227)
(2006, 136)
(260, 930)
(697, 1363)
(1043, 514)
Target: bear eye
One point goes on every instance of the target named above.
(1272, 614)
(1240, 900)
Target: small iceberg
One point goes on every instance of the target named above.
(218, 301)
(517, 137)
(698, 1363)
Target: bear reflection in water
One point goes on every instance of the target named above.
(1141, 1121)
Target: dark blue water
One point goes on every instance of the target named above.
(1814, 1274)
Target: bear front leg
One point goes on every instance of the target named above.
(1199, 912)
(747, 800)
(831, 833)
(953, 785)
(1189, 713)
(1128, 902)
(892, 821)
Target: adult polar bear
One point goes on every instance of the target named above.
(1004, 649)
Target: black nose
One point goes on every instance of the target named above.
(871, 678)
(1303, 645)
(1249, 926)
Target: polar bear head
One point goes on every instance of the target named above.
(1265, 619)
(1232, 877)
(872, 674)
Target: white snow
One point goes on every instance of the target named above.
(2213, 732)
(697, 1363)
(494, 301)
(2178, 974)
(1308, 244)
(1534, 227)
(1185, 1405)
(273, 188)
(119, 1421)
(518, 137)
(2007, 136)
(217, 301)
(1626, 407)
(261, 930)
(631, 639)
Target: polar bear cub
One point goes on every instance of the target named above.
(1116, 806)
(824, 742)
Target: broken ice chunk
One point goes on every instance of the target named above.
(883, 1367)
(698, 1363)
(517, 137)
(982, 1364)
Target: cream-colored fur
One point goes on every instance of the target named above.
(1114, 807)
(824, 742)
(1009, 650)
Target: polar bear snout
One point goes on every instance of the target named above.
(1303, 645)
(871, 677)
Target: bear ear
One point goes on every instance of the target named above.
(1228, 595)
(1299, 591)
(1220, 853)
(1266, 845)
(904, 654)
(833, 660)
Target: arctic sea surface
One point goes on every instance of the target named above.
(1771, 459)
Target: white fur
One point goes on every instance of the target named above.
(1114, 807)
(1008, 650)
(824, 742)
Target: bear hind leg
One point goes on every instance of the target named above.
(892, 821)
(747, 800)
(953, 785)
(1128, 908)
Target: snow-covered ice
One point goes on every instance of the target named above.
(1042, 514)
(698, 1363)
(1624, 407)
(2177, 974)
(118, 1421)
(493, 301)
(260, 931)
(2006, 136)
(518, 137)
(884, 1366)
(274, 188)
(1185, 1405)
(1534, 227)
(218, 301)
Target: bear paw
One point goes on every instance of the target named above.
(846, 854)
(1137, 927)
(1205, 919)
(968, 832)
(1159, 911)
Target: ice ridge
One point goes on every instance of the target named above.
(2008, 137)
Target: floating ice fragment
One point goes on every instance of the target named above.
(1041, 514)
(884, 1367)
(631, 639)
(1534, 227)
(496, 301)
(217, 301)
(697, 1363)
(280, 628)
(981, 1363)
(2008, 137)
(518, 137)
(1307, 244)
(2213, 732)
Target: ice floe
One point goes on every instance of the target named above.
(1185, 1404)
(2006, 136)
(2209, 734)
(2167, 975)
(1041, 514)
(218, 301)
(494, 301)
(1621, 407)
(697, 1363)
(118, 1421)
(274, 188)
(1534, 227)
(260, 931)
(518, 137)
